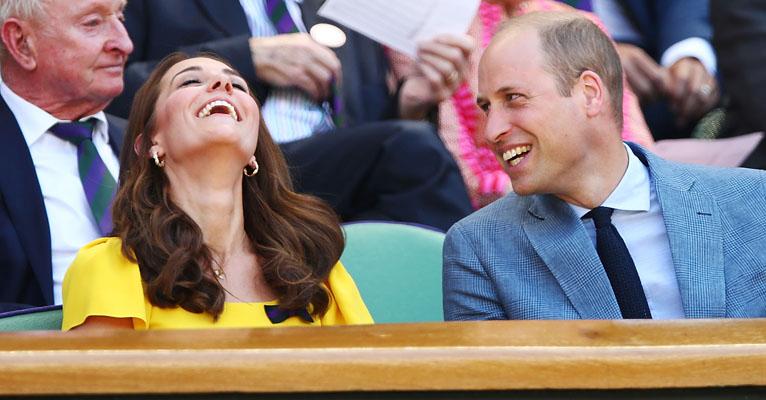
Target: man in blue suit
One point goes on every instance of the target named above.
(596, 228)
(62, 61)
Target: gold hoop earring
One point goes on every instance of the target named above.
(157, 161)
(251, 174)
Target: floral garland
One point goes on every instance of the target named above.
(492, 180)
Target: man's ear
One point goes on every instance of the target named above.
(593, 92)
(19, 42)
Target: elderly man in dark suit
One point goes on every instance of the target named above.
(357, 145)
(62, 63)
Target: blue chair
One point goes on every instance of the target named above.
(397, 268)
(46, 318)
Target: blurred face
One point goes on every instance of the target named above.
(535, 132)
(81, 48)
(203, 106)
(509, 4)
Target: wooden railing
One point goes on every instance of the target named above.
(472, 356)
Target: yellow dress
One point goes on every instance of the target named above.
(102, 282)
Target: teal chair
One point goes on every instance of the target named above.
(47, 318)
(397, 268)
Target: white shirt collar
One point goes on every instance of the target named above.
(34, 121)
(632, 193)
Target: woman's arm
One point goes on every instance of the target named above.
(100, 323)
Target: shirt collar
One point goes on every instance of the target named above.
(632, 193)
(34, 122)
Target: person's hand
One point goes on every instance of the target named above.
(442, 64)
(647, 78)
(295, 60)
(692, 91)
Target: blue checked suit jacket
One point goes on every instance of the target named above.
(531, 258)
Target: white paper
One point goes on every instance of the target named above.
(401, 24)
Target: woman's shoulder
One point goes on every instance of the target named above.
(103, 255)
(101, 245)
(347, 305)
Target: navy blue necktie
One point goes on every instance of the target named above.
(619, 266)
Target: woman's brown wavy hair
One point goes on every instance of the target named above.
(296, 237)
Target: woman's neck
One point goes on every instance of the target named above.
(212, 197)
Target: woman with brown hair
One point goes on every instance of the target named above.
(207, 229)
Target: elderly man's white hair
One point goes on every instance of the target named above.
(21, 9)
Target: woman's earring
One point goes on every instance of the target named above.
(157, 161)
(253, 172)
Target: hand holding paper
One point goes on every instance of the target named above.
(401, 24)
(432, 32)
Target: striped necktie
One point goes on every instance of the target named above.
(283, 23)
(98, 183)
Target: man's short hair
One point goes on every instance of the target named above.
(572, 44)
(21, 9)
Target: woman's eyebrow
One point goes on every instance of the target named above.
(187, 69)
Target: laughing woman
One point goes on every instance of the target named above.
(207, 229)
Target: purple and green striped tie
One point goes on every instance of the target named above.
(98, 183)
(283, 23)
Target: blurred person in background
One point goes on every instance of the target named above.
(739, 34)
(351, 134)
(666, 52)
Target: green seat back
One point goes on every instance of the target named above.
(46, 318)
(397, 268)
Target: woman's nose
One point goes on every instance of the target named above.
(222, 83)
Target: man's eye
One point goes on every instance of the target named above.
(92, 22)
(512, 96)
(189, 82)
(239, 86)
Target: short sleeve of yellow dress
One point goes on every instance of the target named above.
(102, 282)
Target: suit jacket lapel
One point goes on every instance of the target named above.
(562, 242)
(116, 129)
(309, 10)
(228, 16)
(693, 223)
(21, 191)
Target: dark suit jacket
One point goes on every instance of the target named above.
(25, 239)
(739, 37)
(663, 23)
(159, 28)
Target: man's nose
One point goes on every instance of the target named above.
(496, 127)
(119, 39)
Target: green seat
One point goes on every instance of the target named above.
(397, 268)
(47, 318)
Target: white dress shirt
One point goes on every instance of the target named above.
(638, 218)
(290, 114)
(70, 219)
